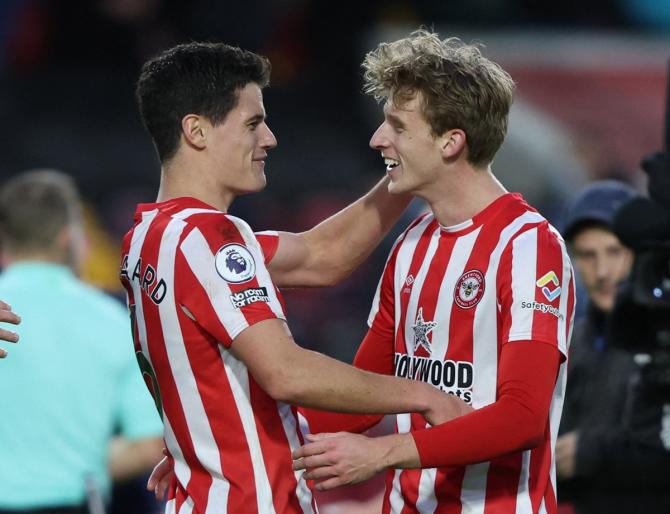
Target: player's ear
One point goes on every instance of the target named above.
(453, 143)
(195, 128)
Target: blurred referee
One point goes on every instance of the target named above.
(73, 381)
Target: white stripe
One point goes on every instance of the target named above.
(303, 493)
(134, 252)
(473, 488)
(567, 278)
(375, 301)
(183, 214)
(196, 418)
(201, 262)
(485, 323)
(187, 506)
(524, 266)
(426, 501)
(402, 264)
(238, 377)
(455, 268)
(396, 500)
(523, 503)
(181, 468)
(555, 411)
(170, 506)
(417, 286)
(272, 233)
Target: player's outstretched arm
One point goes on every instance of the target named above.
(515, 422)
(334, 248)
(294, 375)
(7, 316)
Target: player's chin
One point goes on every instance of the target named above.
(250, 187)
(397, 186)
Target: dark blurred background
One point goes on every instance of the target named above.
(590, 99)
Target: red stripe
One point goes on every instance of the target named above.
(549, 260)
(502, 484)
(269, 244)
(448, 485)
(504, 285)
(409, 485)
(276, 450)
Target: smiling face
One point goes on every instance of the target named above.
(413, 156)
(238, 146)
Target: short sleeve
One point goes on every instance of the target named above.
(536, 288)
(224, 283)
(269, 241)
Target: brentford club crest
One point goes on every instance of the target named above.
(469, 289)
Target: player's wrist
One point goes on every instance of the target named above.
(399, 452)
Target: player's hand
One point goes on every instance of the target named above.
(7, 316)
(160, 477)
(333, 460)
(445, 408)
(566, 454)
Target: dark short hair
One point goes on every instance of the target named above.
(194, 78)
(34, 207)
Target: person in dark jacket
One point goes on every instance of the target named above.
(612, 454)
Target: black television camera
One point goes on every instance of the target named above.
(641, 318)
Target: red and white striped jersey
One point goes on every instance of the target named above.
(450, 298)
(195, 278)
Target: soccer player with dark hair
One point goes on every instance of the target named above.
(207, 317)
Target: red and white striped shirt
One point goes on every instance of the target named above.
(195, 278)
(449, 299)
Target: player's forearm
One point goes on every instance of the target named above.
(316, 381)
(399, 452)
(341, 243)
(496, 430)
(128, 459)
(517, 421)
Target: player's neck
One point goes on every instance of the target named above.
(181, 180)
(464, 195)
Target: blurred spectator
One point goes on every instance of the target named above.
(74, 379)
(606, 461)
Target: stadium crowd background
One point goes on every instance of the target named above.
(591, 80)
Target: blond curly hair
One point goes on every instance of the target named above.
(460, 88)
